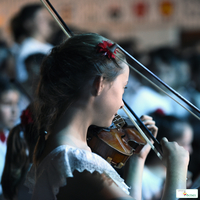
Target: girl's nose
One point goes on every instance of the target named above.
(122, 105)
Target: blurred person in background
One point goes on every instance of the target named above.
(194, 61)
(20, 146)
(32, 64)
(18, 34)
(9, 114)
(8, 72)
(175, 129)
(7, 62)
(37, 26)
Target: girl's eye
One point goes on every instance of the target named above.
(125, 87)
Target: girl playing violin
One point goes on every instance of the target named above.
(81, 84)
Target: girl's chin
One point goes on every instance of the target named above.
(108, 124)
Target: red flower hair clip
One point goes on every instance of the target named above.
(26, 117)
(103, 47)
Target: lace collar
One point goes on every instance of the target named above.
(62, 162)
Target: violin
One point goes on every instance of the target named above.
(116, 143)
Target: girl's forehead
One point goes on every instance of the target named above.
(125, 69)
(124, 75)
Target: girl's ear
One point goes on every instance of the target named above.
(98, 85)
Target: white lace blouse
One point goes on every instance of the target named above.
(45, 180)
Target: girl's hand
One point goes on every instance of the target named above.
(173, 154)
(150, 124)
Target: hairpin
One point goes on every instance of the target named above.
(103, 47)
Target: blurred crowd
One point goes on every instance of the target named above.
(35, 33)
